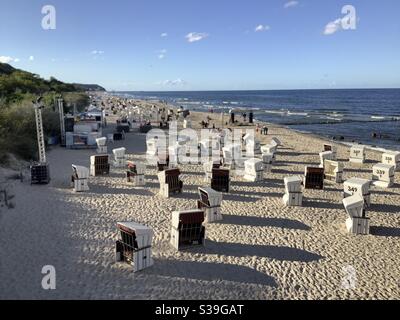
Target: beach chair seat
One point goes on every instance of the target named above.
(267, 159)
(333, 149)
(136, 174)
(254, 170)
(314, 178)
(252, 145)
(333, 171)
(170, 182)
(383, 175)
(231, 153)
(101, 145)
(119, 157)
(358, 186)
(134, 245)
(40, 173)
(99, 165)
(326, 155)
(220, 180)
(210, 202)
(187, 229)
(269, 149)
(357, 154)
(208, 168)
(79, 178)
(293, 191)
(392, 158)
(293, 184)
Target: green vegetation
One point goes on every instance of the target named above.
(17, 123)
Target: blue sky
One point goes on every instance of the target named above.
(236, 45)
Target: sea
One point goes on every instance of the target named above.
(367, 116)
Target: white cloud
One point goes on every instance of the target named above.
(261, 28)
(31, 58)
(164, 35)
(174, 83)
(194, 36)
(4, 59)
(333, 27)
(162, 53)
(290, 4)
(17, 60)
(97, 52)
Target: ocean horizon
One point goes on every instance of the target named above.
(367, 116)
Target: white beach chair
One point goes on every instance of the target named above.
(252, 145)
(267, 159)
(187, 229)
(276, 142)
(333, 171)
(357, 154)
(210, 201)
(119, 157)
(331, 147)
(80, 177)
(170, 182)
(136, 173)
(269, 148)
(383, 175)
(254, 170)
(326, 155)
(232, 154)
(358, 186)
(293, 191)
(208, 168)
(392, 158)
(99, 165)
(101, 145)
(135, 245)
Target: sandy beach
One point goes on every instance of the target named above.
(261, 250)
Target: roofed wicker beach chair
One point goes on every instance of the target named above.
(134, 245)
(314, 178)
(169, 182)
(187, 229)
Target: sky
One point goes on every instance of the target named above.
(179, 45)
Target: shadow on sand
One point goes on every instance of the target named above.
(262, 251)
(207, 271)
(264, 222)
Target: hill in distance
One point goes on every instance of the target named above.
(14, 79)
